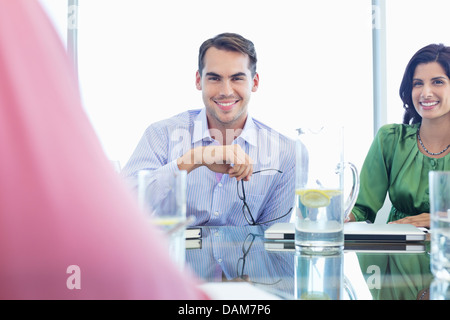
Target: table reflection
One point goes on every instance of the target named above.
(396, 276)
(319, 277)
(242, 254)
(238, 254)
(440, 290)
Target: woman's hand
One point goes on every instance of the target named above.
(420, 220)
(350, 218)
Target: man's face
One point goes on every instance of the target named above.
(226, 83)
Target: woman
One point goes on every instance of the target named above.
(401, 155)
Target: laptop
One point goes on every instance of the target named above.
(357, 231)
(353, 246)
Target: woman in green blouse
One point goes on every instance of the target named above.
(401, 155)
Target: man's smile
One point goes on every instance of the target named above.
(226, 105)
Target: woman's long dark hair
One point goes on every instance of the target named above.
(431, 53)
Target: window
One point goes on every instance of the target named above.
(138, 58)
(410, 25)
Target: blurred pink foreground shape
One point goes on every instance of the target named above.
(61, 203)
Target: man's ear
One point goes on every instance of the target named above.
(255, 82)
(198, 81)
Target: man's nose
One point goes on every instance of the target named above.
(227, 88)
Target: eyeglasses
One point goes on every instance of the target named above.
(246, 209)
(248, 242)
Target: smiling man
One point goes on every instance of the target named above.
(226, 82)
(240, 171)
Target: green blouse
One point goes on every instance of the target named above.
(394, 164)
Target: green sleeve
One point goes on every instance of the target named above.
(374, 176)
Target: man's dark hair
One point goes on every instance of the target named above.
(229, 42)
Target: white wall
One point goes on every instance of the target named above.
(137, 60)
(137, 63)
(57, 11)
(411, 25)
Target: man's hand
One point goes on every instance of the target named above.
(420, 220)
(228, 159)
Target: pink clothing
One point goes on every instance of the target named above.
(61, 203)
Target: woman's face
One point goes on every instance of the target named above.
(431, 91)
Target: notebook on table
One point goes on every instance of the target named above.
(357, 231)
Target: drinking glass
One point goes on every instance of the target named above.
(163, 195)
(439, 184)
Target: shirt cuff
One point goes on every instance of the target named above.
(170, 167)
(359, 214)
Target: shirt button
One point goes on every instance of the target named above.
(220, 184)
(219, 260)
(216, 213)
(433, 163)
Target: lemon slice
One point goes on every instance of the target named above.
(314, 296)
(329, 192)
(332, 193)
(314, 199)
(166, 221)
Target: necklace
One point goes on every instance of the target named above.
(426, 150)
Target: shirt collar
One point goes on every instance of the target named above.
(201, 131)
(249, 132)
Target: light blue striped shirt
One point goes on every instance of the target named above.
(233, 252)
(211, 197)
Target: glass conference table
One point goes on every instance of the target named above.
(379, 272)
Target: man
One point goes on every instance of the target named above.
(240, 171)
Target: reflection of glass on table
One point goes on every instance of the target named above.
(229, 253)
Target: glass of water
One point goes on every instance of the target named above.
(439, 182)
(163, 196)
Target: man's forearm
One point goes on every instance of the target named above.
(188, 161)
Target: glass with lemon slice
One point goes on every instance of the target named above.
(319, 225)
(163, 196)
(319, 190)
